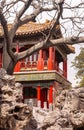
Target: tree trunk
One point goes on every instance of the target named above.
(8, 63)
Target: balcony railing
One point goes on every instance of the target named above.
(32, 66)
(28, 65)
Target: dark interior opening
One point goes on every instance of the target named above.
(16, 117)
(29, 92)
(2, 128)
(17, 109)
(80, 128)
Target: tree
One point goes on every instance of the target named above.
(18, 12)
(78, 63)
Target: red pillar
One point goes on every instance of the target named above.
(65, 68)
(17, 67)
(51, 94)
(39, 96)
(40, 64)
(50, 60)
(53, 57)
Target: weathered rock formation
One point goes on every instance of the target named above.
(14, 115)
(69, 112)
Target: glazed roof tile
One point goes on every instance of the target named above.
(31, 28)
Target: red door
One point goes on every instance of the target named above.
(44, 95)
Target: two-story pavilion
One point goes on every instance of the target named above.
(45, 70)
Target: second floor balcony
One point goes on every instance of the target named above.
(43, 65)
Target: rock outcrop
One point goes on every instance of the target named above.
(14, 115)
(69, 112)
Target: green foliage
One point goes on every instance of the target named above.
(78, 64)
(82, 82)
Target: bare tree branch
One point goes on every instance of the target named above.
(59, 14)
(21, 12)
(17, 19)
(46, 41)
(44, 44)
(6, 34)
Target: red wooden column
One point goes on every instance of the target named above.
(50, 97)
(45, 58)
(50, 60)
(40, 64)
(53, 57)
(65, 68)
(39, 96)
(17, 67)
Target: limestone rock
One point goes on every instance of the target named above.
(14, 115)
(69, 112)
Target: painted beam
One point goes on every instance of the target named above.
(41, 76)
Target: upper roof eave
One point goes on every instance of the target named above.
(33, 29)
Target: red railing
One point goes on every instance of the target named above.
(32, 66)
(28, 65)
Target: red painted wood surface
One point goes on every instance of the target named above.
(51, 61)
(44, 95)
(51, 94)
(40, 64)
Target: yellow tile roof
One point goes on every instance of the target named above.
(31, 28)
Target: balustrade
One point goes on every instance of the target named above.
(32, 66)
(28, 65)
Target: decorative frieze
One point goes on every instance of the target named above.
(41, 76)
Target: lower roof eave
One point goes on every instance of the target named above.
(37, 76)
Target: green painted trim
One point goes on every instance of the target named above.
(40, 76)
